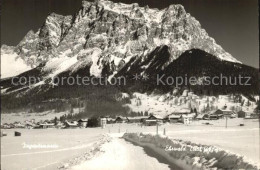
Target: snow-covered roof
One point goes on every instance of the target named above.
(156, 116)
(121, 117)
(29, 124)
(83, 120)
(47, 124)
(187, 116)
(200, 116)
(72, 123)
(226, 110)
(138, 117)
(173, 116)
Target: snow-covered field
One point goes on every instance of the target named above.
(22, 117)
(236, 139)
(242, 140)
(16, 154)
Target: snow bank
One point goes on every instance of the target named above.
(189, 155)
(119, 154)
(89, 154)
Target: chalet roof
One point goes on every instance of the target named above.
(226, 110)
(29, 124)
(155, 117)
(174, 116)
(71, 123)
(137, 117)
(187, 116)
(212, 112)
(248, 111)
(83, 120)
(47, 124)
(121, 117)
(200, 116)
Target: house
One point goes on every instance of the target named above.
(255, 116)
(46, 125)
(110, 120)
(142, 120)
(173, 118)
(37, 126)
(241, 114)
(73, 124)
(233, 115)
(121, 119)
(202, 117)
(6, 126)
(29, 125)
(153, 120)
(59, 125)
(83, 123)
(187, 119)
(103, 122)
(214, 116)
(221, 113)
(137, 119)
(18, 125)
(251, 115)
(182, 111)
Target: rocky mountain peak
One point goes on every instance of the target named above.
(117, 32)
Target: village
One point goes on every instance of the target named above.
(184, 116)
(213, 121)
(76, 137)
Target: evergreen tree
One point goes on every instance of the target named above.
(55, 120)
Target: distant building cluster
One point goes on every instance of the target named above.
(184, 116)
(81, 123)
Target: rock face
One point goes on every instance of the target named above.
(119, 31)
(106, 39)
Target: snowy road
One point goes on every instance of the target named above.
(119, 154)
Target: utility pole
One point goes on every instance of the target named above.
(226, 120)
(157, 127)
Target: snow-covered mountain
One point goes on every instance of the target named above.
(115, 39)
(11, 63)
(117, 32)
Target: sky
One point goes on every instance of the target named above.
(232, 23)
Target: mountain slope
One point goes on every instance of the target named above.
(193, 63)
(106, 39)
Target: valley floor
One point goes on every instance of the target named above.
(241, 140)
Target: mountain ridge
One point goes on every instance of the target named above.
(113, 40)
(120, 29)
